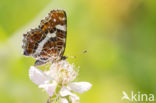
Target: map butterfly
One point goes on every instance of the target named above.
(47, 42)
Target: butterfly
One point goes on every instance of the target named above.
(47, 42)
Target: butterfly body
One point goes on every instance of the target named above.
(47, 42)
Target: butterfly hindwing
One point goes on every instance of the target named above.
(31, 41)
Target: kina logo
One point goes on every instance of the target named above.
(140, 97)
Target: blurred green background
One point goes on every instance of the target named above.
(119, 35)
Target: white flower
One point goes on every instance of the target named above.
(66, 92)
(42, 80)
(60, 75)
(63, 72)
(49, 88)
(79, 87)
(37, 76)
(64, 100)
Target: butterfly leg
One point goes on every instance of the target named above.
(39, 62)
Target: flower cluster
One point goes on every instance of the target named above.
(58, 82)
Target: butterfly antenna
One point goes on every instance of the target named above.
(85, 51)
(78, 54)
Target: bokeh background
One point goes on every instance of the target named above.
(119, 35)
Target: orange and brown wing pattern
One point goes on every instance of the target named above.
(31, 41)
(55, 25)
(55, 18)
(48, 41)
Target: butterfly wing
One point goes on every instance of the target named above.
(55, 27)
(31, 41)
(48, 41)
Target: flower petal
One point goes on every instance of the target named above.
(74, 98)
(49, 88)
(51, 74)
(37, 76)
(80, 87)
(64, 100)
(65, 91)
